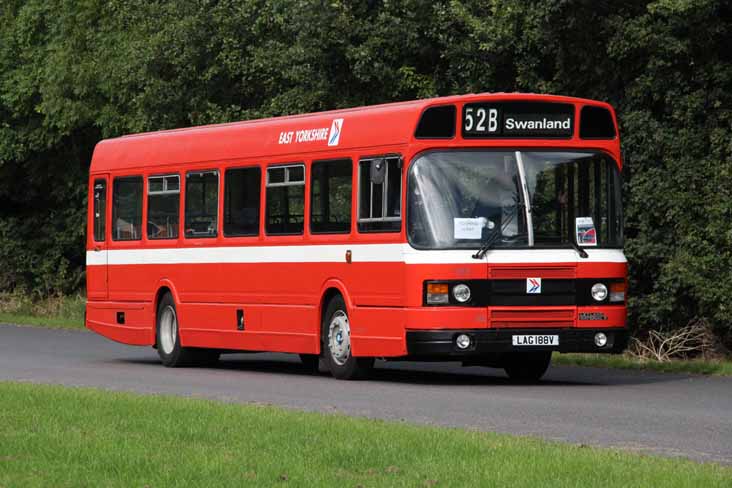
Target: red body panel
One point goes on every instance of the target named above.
(283, 301)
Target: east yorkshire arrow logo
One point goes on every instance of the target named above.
(335, 132)
(533, 285)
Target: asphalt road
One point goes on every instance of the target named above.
(671, 415)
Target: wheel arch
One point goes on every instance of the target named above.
(330, 289)
(163, 287)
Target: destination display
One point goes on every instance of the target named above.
(518, 119)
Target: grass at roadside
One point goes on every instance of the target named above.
(55, 312)
(624, 361)
(53, 436)
(51, 322)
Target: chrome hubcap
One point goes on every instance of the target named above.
(168, 329)
(339, 338)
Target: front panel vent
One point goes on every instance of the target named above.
(518, 272)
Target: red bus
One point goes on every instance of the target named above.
(484, 228)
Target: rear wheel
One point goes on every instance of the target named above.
(336, 337)
(171, 353)
(527, 367)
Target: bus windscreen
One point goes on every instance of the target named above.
(458, 199)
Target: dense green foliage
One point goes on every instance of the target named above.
(73, 72)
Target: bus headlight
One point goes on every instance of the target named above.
(461, 292)
(599, 292)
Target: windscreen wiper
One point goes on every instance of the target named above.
(583, 254)
(485, 247)
(492, 239)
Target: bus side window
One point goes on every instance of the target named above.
(242, 189)
(380, 194)
(285, 199)
(330, 196)
(127, 208)
(202, 197)
(163, 206)
(100, 210)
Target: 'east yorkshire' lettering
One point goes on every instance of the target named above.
(543, 124)
(307, 135)
(331, 135)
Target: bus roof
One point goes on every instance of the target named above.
(360, 127)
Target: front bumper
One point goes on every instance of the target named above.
(441, 343)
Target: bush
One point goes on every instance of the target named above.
(694, 341)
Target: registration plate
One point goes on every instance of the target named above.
(535, 340)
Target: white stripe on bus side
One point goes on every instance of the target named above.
(370, 253)
(516, 256)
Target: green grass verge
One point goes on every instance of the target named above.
(53, 436)
(56, 312)
(692, 366)
(51, 322)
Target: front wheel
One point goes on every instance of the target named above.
(527, 367)
(336, 337)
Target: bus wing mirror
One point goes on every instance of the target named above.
(378, 171)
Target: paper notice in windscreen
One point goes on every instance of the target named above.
(586, 233)
(468, 228)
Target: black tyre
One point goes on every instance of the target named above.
(527, 367)
(336, 343)
(167, 339)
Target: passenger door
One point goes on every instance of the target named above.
(97, 249)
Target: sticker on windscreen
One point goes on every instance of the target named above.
(585, 230)
(468, 228)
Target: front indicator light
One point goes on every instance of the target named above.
(437, 294)
(599, 292)
(461, 292)
(617, 292)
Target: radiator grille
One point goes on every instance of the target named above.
(532, 318)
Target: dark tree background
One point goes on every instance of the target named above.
(75, 71)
